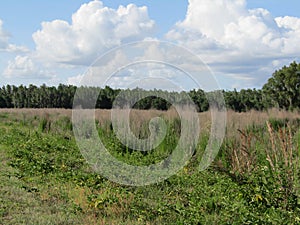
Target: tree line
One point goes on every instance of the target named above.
(282, 90)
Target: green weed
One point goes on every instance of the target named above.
(44, 179)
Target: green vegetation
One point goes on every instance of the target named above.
(283, 88)
(255, 178)
(281, 91)
(45, 180)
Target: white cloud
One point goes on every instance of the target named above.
(236, 41)
(76, 81)
(26, 67)
(94, 29)
(291, 35)
(4, 42)
(288, 22)
(227, 25)
(140, 62)
(4, 37)
(210, 17)
(243, 46)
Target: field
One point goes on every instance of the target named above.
(255, 178)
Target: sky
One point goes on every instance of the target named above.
(242, 42)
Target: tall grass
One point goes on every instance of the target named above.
(254, 179)
(283, 157)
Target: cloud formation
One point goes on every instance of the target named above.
(94, 29)
(26, 67)
(237, 41)
(242, 46)
(4, 42)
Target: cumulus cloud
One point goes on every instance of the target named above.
(94, 29)
(4, 42)
(229, 26)
(235, 40)
(26, 67)
(243, 46)
(137, 63)
(76, 80)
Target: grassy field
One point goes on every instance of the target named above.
(255, 178)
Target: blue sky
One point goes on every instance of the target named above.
(241, 43)
(34, 12)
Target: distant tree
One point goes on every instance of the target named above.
(282, 90)
(284, 87)
(200, 99)
(2, 98)
(232, 99)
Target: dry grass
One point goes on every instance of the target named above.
(243, 153)
(283, 153)
(247, 149)
(279, 147)
(243, 141)
(235, 121)
(242, 120)
(38, 112)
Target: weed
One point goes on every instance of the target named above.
(45, 179)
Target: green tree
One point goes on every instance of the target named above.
(200, 99)
(284, 87)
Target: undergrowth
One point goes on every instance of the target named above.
(253, 180)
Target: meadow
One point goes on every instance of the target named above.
(255, 178)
